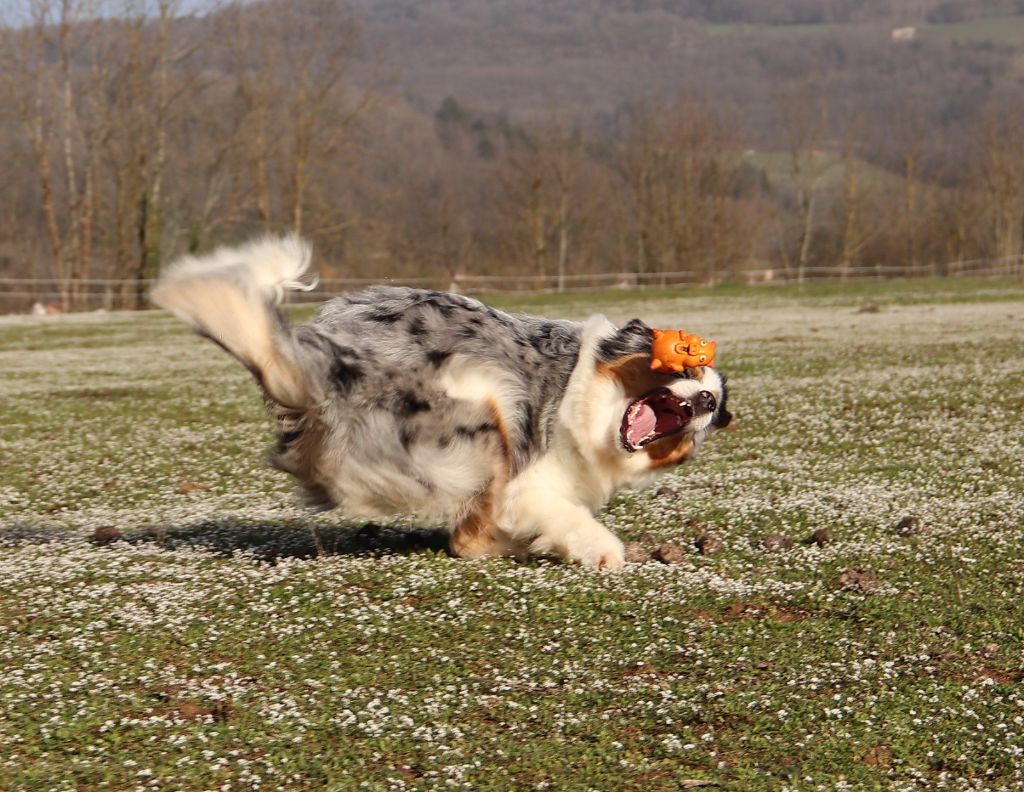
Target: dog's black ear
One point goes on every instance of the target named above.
(722, 418)
(722, 415)
(632, 338)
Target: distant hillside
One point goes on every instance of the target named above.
(537, 139)
(593, 59)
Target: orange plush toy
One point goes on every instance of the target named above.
(676, 350)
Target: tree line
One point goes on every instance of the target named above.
(134, 136)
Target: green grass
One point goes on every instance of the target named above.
(828, 170)
(230, 640)
(914, 291)
(774, 31)
(1004, 29)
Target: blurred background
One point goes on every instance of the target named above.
(526, 145)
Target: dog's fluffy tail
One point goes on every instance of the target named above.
(231, 296)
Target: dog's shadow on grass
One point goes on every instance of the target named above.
(270, 541)
(265, 541)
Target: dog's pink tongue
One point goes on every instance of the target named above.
(643, 424)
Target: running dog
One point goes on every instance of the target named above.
(514, 429)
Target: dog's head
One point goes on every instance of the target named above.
(656, 419)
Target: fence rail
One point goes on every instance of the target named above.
(43, 295)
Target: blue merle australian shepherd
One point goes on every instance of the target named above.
(514, 429)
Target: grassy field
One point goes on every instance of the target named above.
(228, 640)
(1003, 29)
(774, 31)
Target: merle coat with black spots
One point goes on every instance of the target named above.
(514, 429)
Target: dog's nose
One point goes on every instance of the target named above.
(706, 399)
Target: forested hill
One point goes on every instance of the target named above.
(592, 58)
(445, 139)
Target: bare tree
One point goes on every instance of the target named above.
(437, 236)
(154, 159)
(1002, 169)
(292, 61)
(856, 196)
(804, 118)
(540, 179)
(567, 165)
(679, 163)
(150, 79)
(48, 96)
(910, 138)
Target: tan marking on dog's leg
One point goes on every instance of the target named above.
(474, 537)
(506, 442)
(478, 536)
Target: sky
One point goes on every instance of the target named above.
(17, 12)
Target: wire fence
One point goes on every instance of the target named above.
(48, 295)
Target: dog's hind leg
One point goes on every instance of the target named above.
(478, 536)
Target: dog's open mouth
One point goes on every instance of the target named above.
(654, 416)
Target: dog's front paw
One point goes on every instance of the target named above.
(608, 554)
(612, 562)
